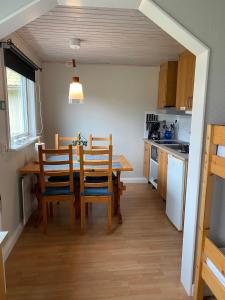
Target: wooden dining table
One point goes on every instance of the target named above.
(119, 164)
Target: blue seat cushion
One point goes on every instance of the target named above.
(56, 191)
(76, 177)
(102, 191)
(99, 179)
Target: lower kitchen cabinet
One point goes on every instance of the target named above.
(162, 173)
(147, 153)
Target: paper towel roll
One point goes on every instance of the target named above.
(36, 151)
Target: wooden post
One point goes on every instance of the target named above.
(90, 142)
(56, 141)
(204, 214)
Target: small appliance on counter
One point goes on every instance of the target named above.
(153, 130)
(152, 126)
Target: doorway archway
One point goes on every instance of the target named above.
(189, 41)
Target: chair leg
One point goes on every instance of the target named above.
(72, 215)
(51, 209)
(82, 214)
(109, 214)
(77, 203)
(86, 208)
(45, 216)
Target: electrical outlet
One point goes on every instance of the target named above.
(2, 105)
(3, 148)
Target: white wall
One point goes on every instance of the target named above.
(116, 98)
(10, 162)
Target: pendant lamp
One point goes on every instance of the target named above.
(76, 90)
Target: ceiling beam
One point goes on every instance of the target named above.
(127, 4)
(26, 14)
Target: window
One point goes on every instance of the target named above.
(21, 106)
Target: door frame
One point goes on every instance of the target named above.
(168, 24)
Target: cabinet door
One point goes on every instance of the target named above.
(162, 173)
(185, 81)
(190, 79)
(162, 86)
(167, 84)
(146, 160)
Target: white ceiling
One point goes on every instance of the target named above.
(114, 36)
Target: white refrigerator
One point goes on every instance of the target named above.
(175, 191)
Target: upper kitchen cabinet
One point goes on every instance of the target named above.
(167, 84)
(185, 81)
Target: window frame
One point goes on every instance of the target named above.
(22, 140)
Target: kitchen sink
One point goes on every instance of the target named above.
(176, 145)
(167, 142)
(182, 148)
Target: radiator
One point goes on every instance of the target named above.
(28, 203)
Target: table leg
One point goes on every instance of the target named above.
(117, 200)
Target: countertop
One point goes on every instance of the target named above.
(183, 156)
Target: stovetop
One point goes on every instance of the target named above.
(179, 146)
(166, 142)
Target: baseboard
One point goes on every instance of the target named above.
(11, 241)
(134, 180)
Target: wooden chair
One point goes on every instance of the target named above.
(62, 142)
(60, 190)
(99, 147)
(94, 192)
(99, 139)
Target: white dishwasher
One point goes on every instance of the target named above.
(175, 191)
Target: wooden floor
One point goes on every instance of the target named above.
(139, 260)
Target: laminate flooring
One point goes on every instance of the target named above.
(139, 260)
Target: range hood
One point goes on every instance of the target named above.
(173, 111)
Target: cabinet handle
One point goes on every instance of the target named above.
(186, 104)
(191, 102)
(190, 99)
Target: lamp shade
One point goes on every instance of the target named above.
(76, 91)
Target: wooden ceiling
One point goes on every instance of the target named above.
(111, 36)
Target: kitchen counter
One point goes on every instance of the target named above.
(183, 156)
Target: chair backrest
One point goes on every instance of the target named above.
(96, 167)
(92, 139)
(50, 164)
(62, 142)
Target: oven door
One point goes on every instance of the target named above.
(154, 153)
